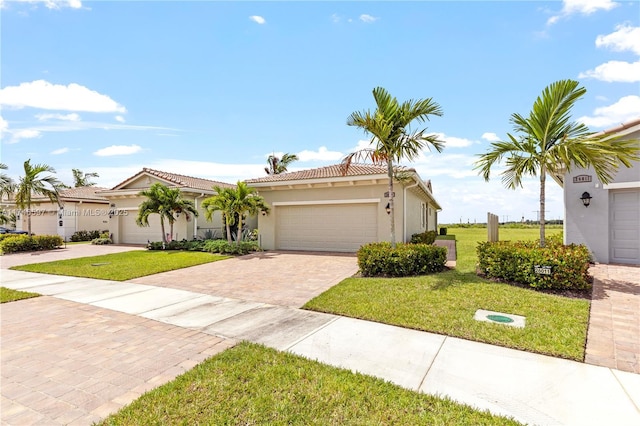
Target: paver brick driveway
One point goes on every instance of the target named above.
(274, 277)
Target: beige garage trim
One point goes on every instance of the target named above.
(326, 227)
(625, 227)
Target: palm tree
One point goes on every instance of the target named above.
(223, 202)
(547, 141)
(83, 179)
(33, 183)
(7, 185)
(279, 165)
(154, 204)
(392, 137)
(234, 203)
(176, 204)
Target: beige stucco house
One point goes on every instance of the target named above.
(323, 210)
(124, 200)
(78, 209)
(610, 225)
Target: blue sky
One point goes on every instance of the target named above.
(210, 89)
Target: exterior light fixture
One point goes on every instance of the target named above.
(112, 210)
(263, 212)
(586, 199)
(388, 209)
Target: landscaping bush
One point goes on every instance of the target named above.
(443, 231)
(223, 247)
(87, 235)
(427, 237)
(517, 262)
(22, 242)
(193, 245)
(380, 260)
(101, 241)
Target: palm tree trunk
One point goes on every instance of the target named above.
(164, 235)
(543, 177)
(226, 222)
(239, 236)
(28, 218)
(391, 203)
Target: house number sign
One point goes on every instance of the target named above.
(542, 269)
(582, 178)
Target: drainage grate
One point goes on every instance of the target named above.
(500, 318)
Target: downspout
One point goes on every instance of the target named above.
(404, 210)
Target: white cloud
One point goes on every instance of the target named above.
(454, 142)
(335, 18)
(625, 38)
(4, 125)
(584, 7)
(614, 71)
(118, 150)
(368, 18)
(119, 118)
(60, 151)
(18, 135)
(63, 117)
(50, 4)
(627, 108)
(322, 154)
(258, 19)
(44, 95)
(490, 136)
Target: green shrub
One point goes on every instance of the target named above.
(427, 237)
(101, 241)
(443, 230)
(22, 242)
(517, 262)
(223, 247)
(193, 245)
(88, 235)
(380, 260)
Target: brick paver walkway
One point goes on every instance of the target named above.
(614, 327)
(69, 363)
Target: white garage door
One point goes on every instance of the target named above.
(131, 233)
(335, 227)
(625, 226)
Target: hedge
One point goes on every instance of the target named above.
(427, 237)
(22, 242)
(526, 263)
(380, 260)
(87, 235)
(211, 246)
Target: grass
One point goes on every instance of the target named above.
(445, 304)
(10, 295)
(123, 266)
(251, 384)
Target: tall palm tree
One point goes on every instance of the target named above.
(6, 183)
(392, 137)
(234, 203)
(154, 204)
(33, 183)
(547, 141)
(83, 179)
(279, 165)
(175, 205)
(223, 202)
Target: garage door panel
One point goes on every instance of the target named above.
(625, 226)
(338, 227)
(131, 233)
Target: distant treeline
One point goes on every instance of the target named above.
(550, 224)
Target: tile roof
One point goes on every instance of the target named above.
(179, 180)
(83, 192)
(326, 172)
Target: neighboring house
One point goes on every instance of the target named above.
(124, 200)
(78, 209)
(610, 225)
(322, 210)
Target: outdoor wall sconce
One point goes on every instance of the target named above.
(263, 212)
(388, 209)
(586, 199)
(112, 210)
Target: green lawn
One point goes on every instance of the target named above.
(123, 266)
(445, 303)
(250, 384)
(9, 295)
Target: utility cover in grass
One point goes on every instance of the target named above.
(500, 318)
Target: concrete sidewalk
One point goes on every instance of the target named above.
(532, 388)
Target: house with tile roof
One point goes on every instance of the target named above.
(78, 209)
(325, 209)
(605, 217)
(124, 200)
